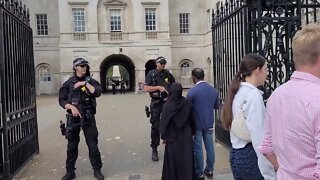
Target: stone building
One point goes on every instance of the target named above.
(127, 33)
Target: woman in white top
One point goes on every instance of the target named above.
(246, 162)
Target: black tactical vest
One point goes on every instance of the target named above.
(78, 97)
(161, 78)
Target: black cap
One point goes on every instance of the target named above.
(80, 61)
(161, 60)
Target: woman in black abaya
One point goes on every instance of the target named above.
(177, 127)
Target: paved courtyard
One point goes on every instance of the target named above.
(124, 138)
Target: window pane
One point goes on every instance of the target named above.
(184, 22)
(42, 24)
(115, 20)
(150, 14)
(185, 69)
(78, 20)
(44, 74)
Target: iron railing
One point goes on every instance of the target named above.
(265, 27)
(18, 128)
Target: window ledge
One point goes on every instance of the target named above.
(150, 3)
(78, 2)
(115, 3)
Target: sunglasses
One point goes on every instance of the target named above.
(83, 65)
(163, 63)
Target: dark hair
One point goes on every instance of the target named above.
(248, 64)
(198, 73)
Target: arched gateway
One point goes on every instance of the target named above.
(150, 65)
(127, 71)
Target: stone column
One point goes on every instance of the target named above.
(140, 78)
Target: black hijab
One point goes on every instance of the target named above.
(176, 110)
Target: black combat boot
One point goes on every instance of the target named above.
(69, 176)
(97, 174)
(155, 156)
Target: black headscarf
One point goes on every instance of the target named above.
(176, 110)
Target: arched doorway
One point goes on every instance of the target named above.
(126, 68)
(44, 82)
(150, 65)
(185, 70)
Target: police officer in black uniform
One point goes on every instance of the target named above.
(78, 95)
(157, 81)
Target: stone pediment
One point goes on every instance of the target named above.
(112, 3)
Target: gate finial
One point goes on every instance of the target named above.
(213, 18)
(231, 5)
(20, 9)
(226, 8)
(237, 4)
(28, 17)
(221, 10)
(16, 7)
(6, 4)
(11, 5)
(218, 11)
(24, 14)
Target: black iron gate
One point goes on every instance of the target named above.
(261, 26)
(18, 126)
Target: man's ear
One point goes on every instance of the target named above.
(193, 79)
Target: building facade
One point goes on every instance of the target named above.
(127, 33)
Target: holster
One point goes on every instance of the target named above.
(68, 131)
(72, 122)
(148, 113)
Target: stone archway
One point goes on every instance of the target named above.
(120, 60)
(44, 84)
(186, 67)
(150, 65)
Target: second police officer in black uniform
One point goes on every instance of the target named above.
(78, 95)
(156, 83)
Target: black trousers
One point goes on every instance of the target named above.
(156, 109)
(122, 90)
(113, 89)
(91, 135)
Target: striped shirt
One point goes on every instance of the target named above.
(293, 128)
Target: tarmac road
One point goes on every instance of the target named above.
(124, 142)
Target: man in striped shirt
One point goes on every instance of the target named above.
(292, 135)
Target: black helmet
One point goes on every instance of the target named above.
(80, 61)
(161, 60)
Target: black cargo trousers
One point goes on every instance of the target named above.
(90, 132)
(156, 109)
